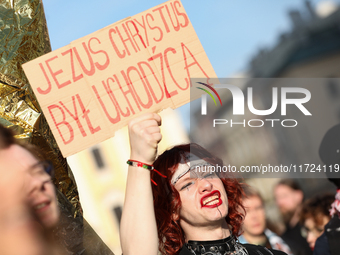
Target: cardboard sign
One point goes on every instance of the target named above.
(97, 84)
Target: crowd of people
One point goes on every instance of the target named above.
(304, 220)
(171, 207)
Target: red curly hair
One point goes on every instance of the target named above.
(167, 201)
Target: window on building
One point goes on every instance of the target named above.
(98, 158)
(117, 210)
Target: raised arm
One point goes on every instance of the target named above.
(138, 230)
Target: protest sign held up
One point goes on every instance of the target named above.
(92, 87)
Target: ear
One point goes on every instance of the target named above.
(299, 195)
(175, 216)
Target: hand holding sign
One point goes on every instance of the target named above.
(97, 84)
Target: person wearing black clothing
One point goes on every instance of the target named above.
(289, 198)
(176, 204)
(298, 244)
(328, 243)
(224, 246)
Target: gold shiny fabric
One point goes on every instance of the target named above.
(23, 37)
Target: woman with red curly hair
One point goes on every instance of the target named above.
(188, 209)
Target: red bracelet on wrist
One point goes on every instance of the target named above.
(137, 163)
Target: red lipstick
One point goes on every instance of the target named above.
(211, 200)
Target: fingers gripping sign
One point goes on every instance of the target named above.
(145, 134)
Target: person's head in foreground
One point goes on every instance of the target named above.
(26, 162)
(315, 215)
(289, 197)
(193, 199)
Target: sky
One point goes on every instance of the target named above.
(231, 31)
